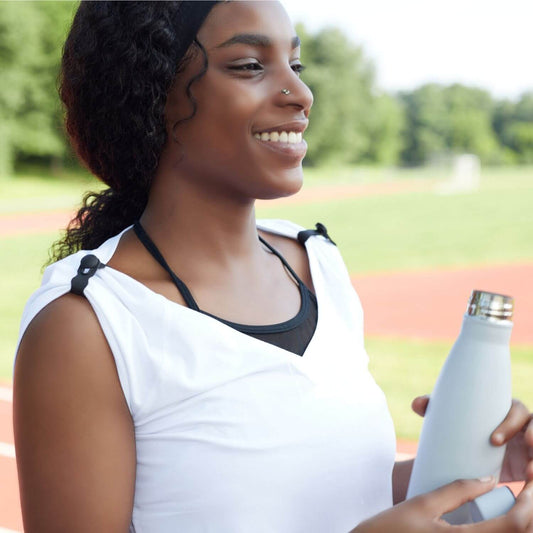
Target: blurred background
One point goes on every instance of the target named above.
(420, 163)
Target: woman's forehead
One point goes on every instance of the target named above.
(265, 18)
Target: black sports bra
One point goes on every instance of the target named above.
(293, 335)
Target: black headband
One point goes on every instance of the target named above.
(189, 18)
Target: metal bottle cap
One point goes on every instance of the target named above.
(490, 305)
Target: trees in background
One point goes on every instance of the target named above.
(452, 119)
(31, 36)
(513, 124)
(352, 120)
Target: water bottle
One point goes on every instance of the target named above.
(471, 398)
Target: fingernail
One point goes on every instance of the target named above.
(486, 479)
(498, 438)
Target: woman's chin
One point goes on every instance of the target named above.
(288, 184)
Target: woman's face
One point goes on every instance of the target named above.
(230, 144)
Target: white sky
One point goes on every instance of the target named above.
(484, 43)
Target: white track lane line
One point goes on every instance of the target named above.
(6, 395)
(401, 457)
(7, 450)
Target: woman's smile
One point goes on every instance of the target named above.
(286, 144)
(284, 139)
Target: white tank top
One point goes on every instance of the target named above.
(233, 434)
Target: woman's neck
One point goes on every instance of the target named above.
(202, 224)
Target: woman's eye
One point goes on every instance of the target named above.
(250, 67)
(298, 68)
(254, 66)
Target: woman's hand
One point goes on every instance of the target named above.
(516, 431)
(423, 513)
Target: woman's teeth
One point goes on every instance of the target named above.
(290, 137)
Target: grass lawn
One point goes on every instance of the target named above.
(22, 259)
(405, 369)
(42, 192)
(425, 229)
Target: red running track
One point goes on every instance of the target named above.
(430, 304)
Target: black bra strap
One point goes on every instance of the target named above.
(187, 296)
(320, 230)
(156, 254)
(282, 259)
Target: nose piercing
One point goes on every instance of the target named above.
(285, 91)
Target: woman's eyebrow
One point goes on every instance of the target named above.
(255, 39)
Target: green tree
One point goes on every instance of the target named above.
(513, 124)
(342, 82)
(470, 127)
(427, 123)
(31, 36)
(449, 120)
(520, 135)
(385, 127)
(520, 132)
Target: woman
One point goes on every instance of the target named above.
(178, 377)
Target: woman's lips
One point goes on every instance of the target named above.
(288, 144)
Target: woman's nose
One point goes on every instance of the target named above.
(293, 91)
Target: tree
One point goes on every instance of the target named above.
(342, 82)
(385, 130)
(513, 124)
(427, 123)
(449, 119)
(31, 35)
(470, 111)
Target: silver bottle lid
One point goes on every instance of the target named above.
(490, 305)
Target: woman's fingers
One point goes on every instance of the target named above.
(453, 495)
(423, 514)
(522, 512)
(420, 404)
(517, 419)
(519, 518)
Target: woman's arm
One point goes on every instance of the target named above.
(74, 435)
(401, 474)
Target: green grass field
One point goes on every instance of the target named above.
(406, 368)
(374, 234)
(35, 192)
(421, 230)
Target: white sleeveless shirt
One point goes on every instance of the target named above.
(233, 434)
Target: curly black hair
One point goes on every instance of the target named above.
(119, 62)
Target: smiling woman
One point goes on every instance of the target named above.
(184, 367)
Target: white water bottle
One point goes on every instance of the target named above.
(471, 398)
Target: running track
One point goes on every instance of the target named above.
(396, 305)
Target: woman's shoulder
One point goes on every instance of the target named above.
(67, 320)
(57, 279)
(283, 236)
(281, 227)
(59, 328)
(70, 415)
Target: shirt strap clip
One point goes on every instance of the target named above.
(87, 269)
(320, 230)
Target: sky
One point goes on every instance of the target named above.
(482, 43)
